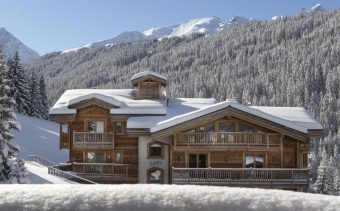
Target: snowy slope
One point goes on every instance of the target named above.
(38, 174)
(159, 197)
(205, 25)
(317, 8)
(39, 137)
(11, 44)
(125, 37)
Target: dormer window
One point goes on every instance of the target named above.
(119, 127)
(149, 84)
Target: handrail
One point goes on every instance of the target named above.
(228, 138)
(91, 139)
(41, 160)
(67, 175)
(241, 176)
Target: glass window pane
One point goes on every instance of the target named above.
(100, 127)
(91, 126)
(155, 177)
(119, 127)
(227, 127)
(245, 128)
(118, 157)
(207, 128)
(155, 150)
(90, 157)
(192, 161)
(259, 161)
(249, 161)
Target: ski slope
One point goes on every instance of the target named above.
(38, 174)
(39, 137)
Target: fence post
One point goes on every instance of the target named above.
(251, 176)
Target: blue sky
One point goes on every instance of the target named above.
(52, 25)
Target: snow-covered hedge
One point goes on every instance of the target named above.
(157, 197)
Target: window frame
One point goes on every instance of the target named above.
(264, 155)
(150, 170)
(161, 156)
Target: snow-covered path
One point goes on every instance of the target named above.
(39, 175)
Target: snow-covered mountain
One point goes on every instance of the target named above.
(205, 25)
(317, 8)
(10, 44)
(125, 37)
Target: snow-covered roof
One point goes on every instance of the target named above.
(292, 117)
(124, 99)
(147, 73)
(158, 115)
(176, 107)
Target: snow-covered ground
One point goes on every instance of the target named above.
(158, 197)
(38, 174)
(39, 137)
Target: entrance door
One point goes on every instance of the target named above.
(197, 161)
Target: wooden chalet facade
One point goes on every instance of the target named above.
(140, 136)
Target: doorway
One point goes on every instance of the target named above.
(198, 161)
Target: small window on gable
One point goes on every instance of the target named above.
(155, 150)
(207, 128)
(119, 127)
(246, 128)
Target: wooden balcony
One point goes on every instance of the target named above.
(89, 140)
(247, 177)
(107, 172)
(217, 139)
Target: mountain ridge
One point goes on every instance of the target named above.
(11, 44)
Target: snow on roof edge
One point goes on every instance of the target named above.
(145, 73)
(212, 108)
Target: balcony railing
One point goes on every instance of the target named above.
(240, 176)
(93, 140)
(228, 139)
(105, 169)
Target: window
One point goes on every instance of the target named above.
(226, 127)
(95, 157)
(155, 150)
(245, 128)
(95, 126)
(118, 157)
(119, 127)
(255, 161)
(155, 176)
(207, 128)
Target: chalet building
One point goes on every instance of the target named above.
(140, 136)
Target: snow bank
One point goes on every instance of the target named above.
(158, 197)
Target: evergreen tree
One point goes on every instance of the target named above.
(19, 86)
(11, 168)
(43, 101)
(336, 184)
(320, 184)
(34, 96)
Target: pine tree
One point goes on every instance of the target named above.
(320, 186)
(43, 101)
(18, 85)
(11, 169)
(34, 96)
(336, 184)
